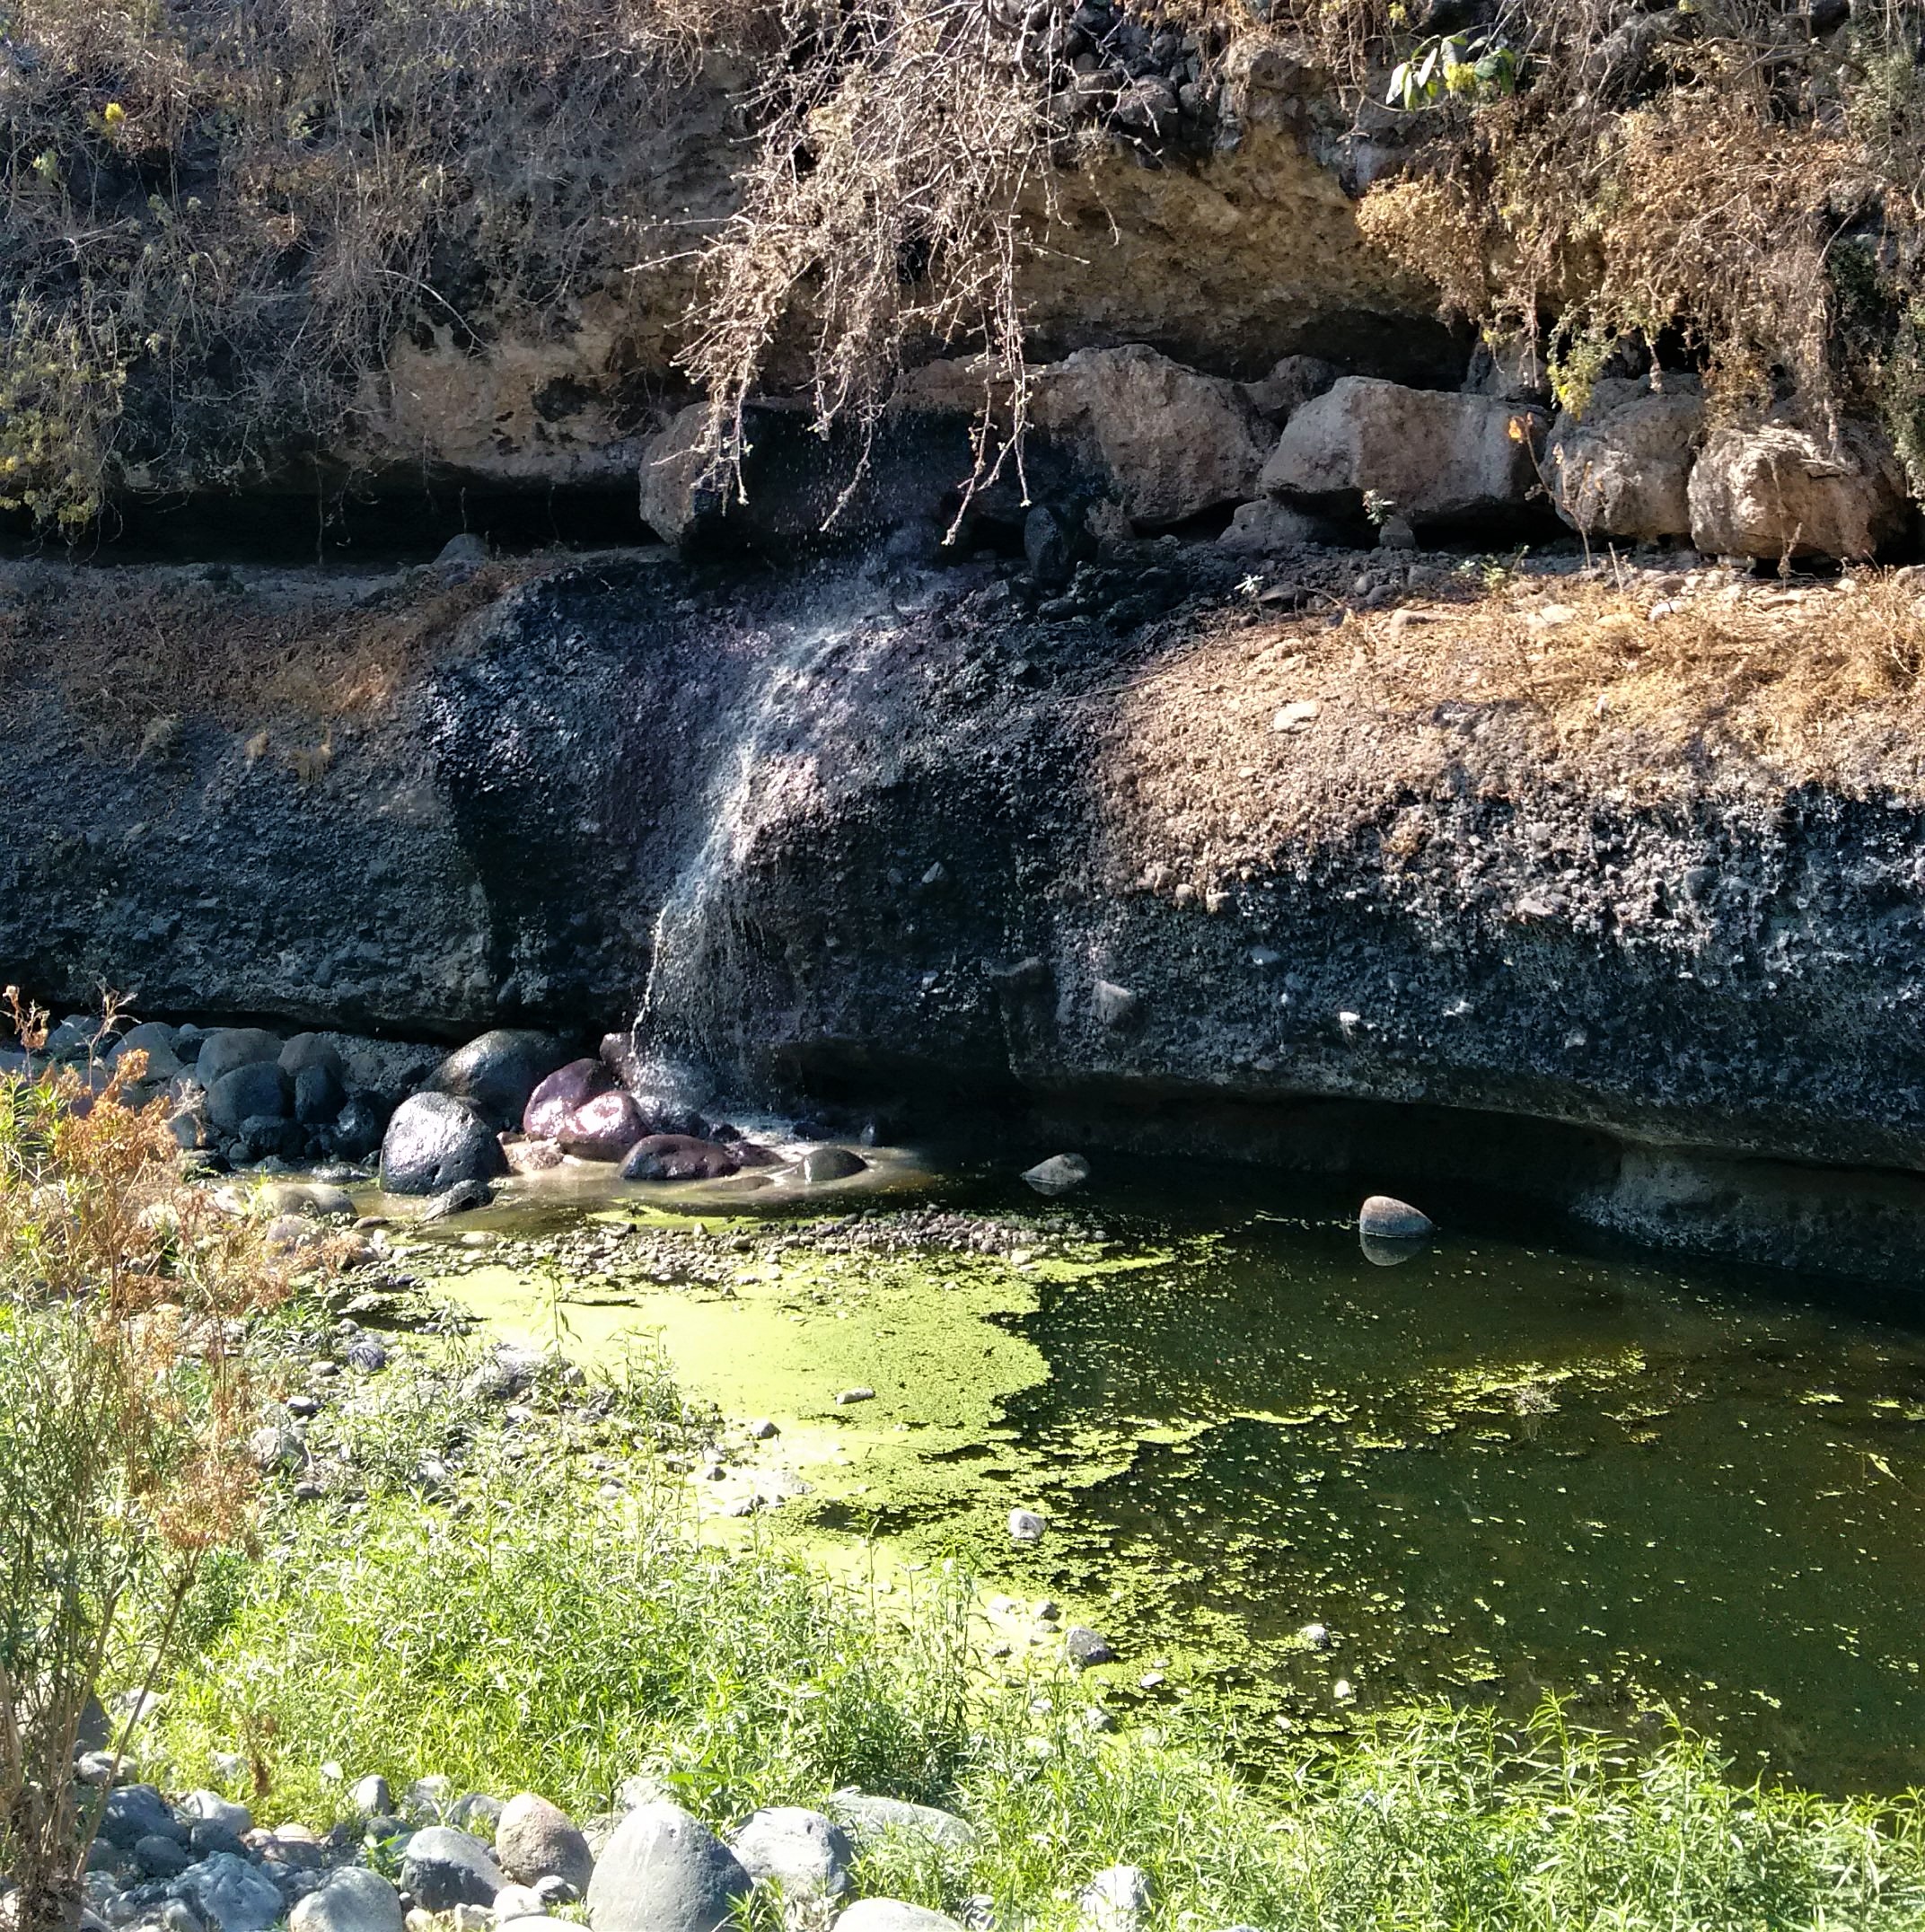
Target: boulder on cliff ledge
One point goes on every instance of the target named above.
(1624, 467)
(1776, 491)
(1436, 457)
(1170, 442)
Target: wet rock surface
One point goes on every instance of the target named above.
(934, 880)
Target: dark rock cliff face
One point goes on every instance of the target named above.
(849, 837)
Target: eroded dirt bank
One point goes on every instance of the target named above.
(1345, 863)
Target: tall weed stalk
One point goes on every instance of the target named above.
(123, 1413)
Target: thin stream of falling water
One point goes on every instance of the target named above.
(698, 958)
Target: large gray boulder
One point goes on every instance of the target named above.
(444, 1867)
(1777, 491)
(1432, 456)
(497, 1072)
(312, 1050)
(256, 1089)
(1169, 442)
(1624, 467)
(870, 1819)
(807, 1853)
(434, 1142)
(1162, 441)
(892, 1915)
(1118, 1898)
(351, 1899)
(155, 1039)
(1290, 384)
(211, 1808)
(663, 1871)
(1259, 527)
(233, 1046)
(535, 1839)
(136, 1812)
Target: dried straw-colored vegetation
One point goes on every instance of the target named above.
(288, 655)
(1520, 689)
(124, 1411)
(220, 219)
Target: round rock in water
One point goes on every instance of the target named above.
(1382, 1253)
(302, 1197)
(1061, 1173)
(534, 1838)
(435, 1140)
(1388, 1219)
(821, 1164)
(809, 1855)
(663, 1871)
(680, 1157)
(445, 1868)
(350, 1900)
(602, 1128)
(498, 1072)
(1026, 1526)
(1083, 1648)
(551, 1107)
(894, 1915)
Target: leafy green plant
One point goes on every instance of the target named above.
(1452, 67)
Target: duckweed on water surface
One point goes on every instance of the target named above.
(1237, 1422)
(1495, 1472)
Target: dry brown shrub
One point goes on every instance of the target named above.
(1690, 173)
(124, 1404)
(904, 167)
(1430, 228)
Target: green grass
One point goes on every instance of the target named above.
(517, 1633)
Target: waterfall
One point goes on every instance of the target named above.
(704, 961)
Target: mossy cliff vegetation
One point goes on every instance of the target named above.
(292, 243)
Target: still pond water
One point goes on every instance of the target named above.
(1500, 1469)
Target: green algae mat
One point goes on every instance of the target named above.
(1496, 1470)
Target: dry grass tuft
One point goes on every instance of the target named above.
(130, 665)
(1528, 688)
(218, 220)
